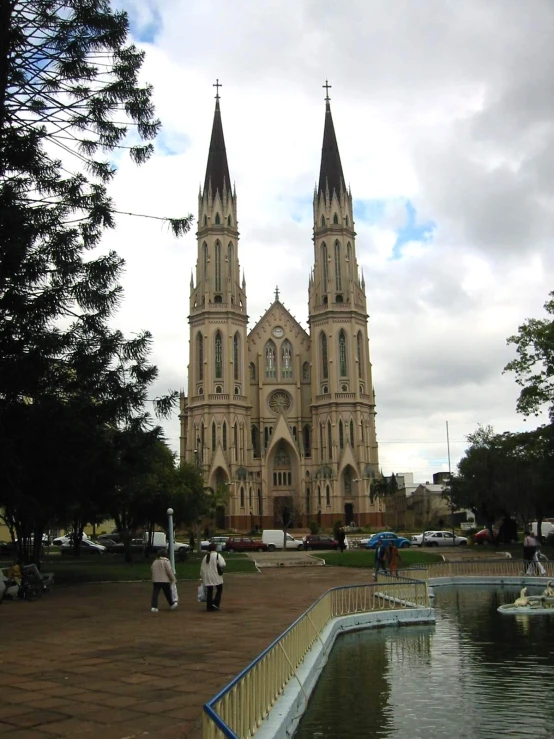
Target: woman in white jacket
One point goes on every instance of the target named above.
(211, 572)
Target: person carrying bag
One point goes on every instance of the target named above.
(211, 574)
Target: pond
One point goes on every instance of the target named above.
(475, 673)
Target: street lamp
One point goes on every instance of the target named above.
(170, 537)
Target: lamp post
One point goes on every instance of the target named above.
(450, 485)
(170, 537)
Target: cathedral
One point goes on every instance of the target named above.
(280, 419)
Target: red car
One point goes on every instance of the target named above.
(484, 537)
(244, 544)
(320, 541)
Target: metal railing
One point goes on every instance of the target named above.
(238, 710)
(480, 568)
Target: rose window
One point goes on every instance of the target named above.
(279, 401)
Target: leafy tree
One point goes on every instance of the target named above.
(69, 96)
(381, 487)
(534, 366)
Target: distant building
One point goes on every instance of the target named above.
(281, 417)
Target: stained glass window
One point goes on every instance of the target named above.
(286, 360)
(324, 365)
(217, 266)
(342, 355)
(200, 355)
(236, 356)
(337, 266)
(218, 356)
(270, 365)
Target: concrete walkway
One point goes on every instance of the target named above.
(92, 660)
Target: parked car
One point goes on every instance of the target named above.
(244, 544)
(484, 537)
(320, 541)
(219, 542)
(66, 539)
(386, 537)
(88, 546)
(109, 540)
(439, 539)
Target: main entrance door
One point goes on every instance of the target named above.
(282, 511)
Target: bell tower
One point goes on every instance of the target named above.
(214, 415)
(343, 404)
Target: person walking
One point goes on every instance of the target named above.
(341, 538)
(211, 573)
(163, 578)
(530, 547)
(393, 558)
(380, 558)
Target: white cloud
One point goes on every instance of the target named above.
(448, 105)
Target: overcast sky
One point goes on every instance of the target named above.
(444, 116)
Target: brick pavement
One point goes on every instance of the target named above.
(92, 660)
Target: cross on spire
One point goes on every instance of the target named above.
(217, 86)
(277, 293)
(327, 87)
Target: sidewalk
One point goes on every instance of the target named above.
(92, 660)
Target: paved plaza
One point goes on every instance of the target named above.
(92, 660)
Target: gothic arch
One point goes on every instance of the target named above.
(236, 357)
(218, 266)
(199, 357)
(323, 358)
(360, 354)
(338, 275)
(205, 258)
(324, 265)
(343, 354)
(218, 356)
(270, 360)
(230, 258)
(286, 360)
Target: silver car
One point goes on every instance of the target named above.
(439, 539)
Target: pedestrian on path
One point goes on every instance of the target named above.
(162, 579)
(393, 558)
(380, 558)
(530, 547)
(211, 572)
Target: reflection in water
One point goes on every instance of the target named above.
(476, 673)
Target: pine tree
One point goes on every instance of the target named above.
(69, 95)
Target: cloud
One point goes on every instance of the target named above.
(443, 113)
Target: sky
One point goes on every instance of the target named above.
(444, 114)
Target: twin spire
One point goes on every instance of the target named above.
(331, 176)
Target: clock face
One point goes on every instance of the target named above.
(278, 331)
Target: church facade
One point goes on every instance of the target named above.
(281, 420)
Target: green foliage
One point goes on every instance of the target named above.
(69, 95)
(534, 366)
(314, 527)
(366, 558)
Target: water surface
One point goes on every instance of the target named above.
(476, 673)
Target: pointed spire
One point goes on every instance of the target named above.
(330, 173)
(217, 170)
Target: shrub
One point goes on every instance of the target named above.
(314, 527)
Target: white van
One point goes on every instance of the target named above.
(547, 527)
(274, 539)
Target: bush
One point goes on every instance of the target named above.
(314, 527)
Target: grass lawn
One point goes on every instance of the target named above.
(366, 558)
(112, 568)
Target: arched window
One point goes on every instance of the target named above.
(323, 350)
(321, 453)
(336, 219)
(217, 266)
(329, 441)
(305, 371)
(205, 220)
(229, 221)
(319, 495)
(224, 436)
(327, 495)
(205, 253)
(341, 435)
(218, 355)
(255, 441)
(213, 436)
(236, 440)
(307, 441)
(217, 221)
(323, 220)
(250, 498)
(349, 259)
(324, 264)
(241, 497)
(351, 433)
(286, 360)
(343, 364)
(252, 371)
(200, 356)
(360, 354)
(236, 356)
(230, 258)
(270, 361)
(347, 220)
(337, 266)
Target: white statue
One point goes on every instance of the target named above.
(548, 592)
(523, 600)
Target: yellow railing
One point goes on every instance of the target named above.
(480, 568)
(239, 709)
